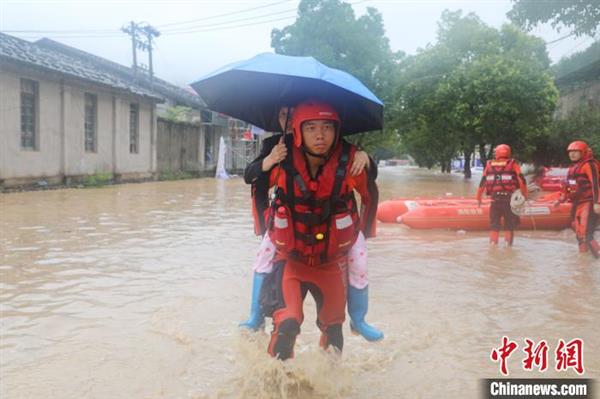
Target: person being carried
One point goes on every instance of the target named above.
(501, 178)
(274, 150)
(582, 188)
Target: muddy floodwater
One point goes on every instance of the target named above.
(135, 291)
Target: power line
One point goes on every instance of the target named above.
(224, 23)
(229, 27)
(198, 30)
(560, 38)
(570, 51)
(222, 15)
(64, 31)
(172, 24)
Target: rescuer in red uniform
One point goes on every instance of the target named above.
(501, 178)
(583, 190)
(314, 221)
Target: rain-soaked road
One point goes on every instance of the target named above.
(135, 291)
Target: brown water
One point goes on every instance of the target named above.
(135, 291)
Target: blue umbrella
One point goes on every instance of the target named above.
(253, 91)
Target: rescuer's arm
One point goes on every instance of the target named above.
(591, 171)
(366, 187)
(563, 194)
(522, 181)
(481, 187)
(270, 151)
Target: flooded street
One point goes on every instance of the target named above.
(135, 291)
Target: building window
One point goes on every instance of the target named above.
(29, 113)
(208, 155)
(134, 127)
(90, 122)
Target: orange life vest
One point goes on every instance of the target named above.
(501, 180)
(579, 187)
(314, 220)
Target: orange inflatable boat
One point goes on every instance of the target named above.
(389, 211)
(536, 215)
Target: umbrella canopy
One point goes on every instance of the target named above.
(254, 90)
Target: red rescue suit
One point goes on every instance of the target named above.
(582, 188)
(314, 222)
(501, 178)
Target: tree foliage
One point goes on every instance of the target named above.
(329, 31)
(581, 125)
(580, 16)
(477, 86)
(177, 113)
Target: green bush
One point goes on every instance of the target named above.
(98, 179)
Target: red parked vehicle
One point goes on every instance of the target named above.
(552, 179)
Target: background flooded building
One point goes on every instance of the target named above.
(67, 115)
(63, 118)
(580, 86)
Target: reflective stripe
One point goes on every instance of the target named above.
(280, 223)
(343, 223)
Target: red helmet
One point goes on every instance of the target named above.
(503, 151)
(578, 146)
(311, 110)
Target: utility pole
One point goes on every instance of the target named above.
(151, 33)
(131, 30)
(144, 44)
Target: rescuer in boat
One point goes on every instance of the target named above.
(314, 222)
(257, 173)
(501, 178)
(583, 190)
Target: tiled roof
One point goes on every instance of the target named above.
(32, 54)
(160, 86)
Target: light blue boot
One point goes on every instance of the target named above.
(256, 319)
(358, 304)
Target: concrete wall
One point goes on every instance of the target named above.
(179, 147)
(45, 160)
(195, 148)
(587, 95)
(60, 151)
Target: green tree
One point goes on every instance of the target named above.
(580, 16)
(477, 87)
(329, 31)
(177, 113)
(581, 125)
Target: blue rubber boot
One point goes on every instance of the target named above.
(358, 304)
(256, 319)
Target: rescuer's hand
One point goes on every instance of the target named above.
(597, 209)
(361, 161)
(278, 154)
